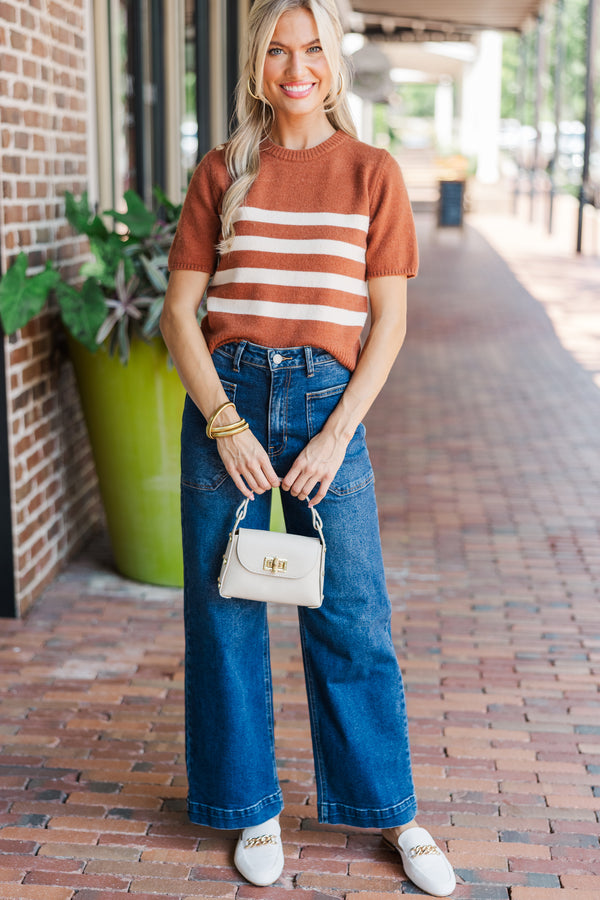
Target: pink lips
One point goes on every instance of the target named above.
(297, 91)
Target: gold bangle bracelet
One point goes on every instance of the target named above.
(225, 429)
(216, 413)
(229, 431)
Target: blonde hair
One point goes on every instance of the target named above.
(255, 115)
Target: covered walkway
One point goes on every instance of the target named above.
(486, 445)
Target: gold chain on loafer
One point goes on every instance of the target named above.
(424, 850)
(261, 840)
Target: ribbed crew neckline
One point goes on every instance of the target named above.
(330, 143)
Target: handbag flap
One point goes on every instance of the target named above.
(279, 554)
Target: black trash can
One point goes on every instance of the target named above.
(451, 202)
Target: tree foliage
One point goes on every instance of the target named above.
(519, 66)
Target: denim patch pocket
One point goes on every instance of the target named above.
(201, 466)
(356, 471)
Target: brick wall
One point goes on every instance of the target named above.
(43, 151)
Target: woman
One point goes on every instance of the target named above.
(292, 225)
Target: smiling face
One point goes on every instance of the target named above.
(296, 74)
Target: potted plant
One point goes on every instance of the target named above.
(131, 397)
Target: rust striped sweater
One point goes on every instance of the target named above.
(316, 225)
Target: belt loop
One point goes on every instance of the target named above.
(310, 366)
(238, 355)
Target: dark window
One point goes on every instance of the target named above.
(139, 152)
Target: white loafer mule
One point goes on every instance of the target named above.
(424, 863)
(259, 853)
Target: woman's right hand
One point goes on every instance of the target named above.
(247, 462)
(243, 455)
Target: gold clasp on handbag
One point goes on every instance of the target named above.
(274, 564)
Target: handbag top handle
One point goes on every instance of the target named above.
(316, 519)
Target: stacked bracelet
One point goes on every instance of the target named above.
(224, 430)
(216, 413)
(229, 430)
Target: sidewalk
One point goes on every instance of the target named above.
(486, 446)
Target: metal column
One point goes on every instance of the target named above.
(232, 60)
(540, 54)
(558, 67)
(135, 23)
(159, 145)
(521, 115)
(590, 64)
(203, 77)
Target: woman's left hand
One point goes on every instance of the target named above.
(316, 464)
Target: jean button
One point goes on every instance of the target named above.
(277, 358)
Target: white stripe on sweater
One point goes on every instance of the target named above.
(251, 243)
(322, 219)
(290, 278)
(307, 311)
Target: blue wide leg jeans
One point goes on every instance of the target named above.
(354, 686)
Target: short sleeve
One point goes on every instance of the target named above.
(391, 241)
(199, 228)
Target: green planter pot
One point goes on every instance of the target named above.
(133, 415)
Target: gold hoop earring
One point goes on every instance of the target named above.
(254, 97)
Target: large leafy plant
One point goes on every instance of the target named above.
(122, 287)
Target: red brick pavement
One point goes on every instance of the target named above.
(485, 444)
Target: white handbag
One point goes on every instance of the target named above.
(273, 567)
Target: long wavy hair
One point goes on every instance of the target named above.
(256, 116)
